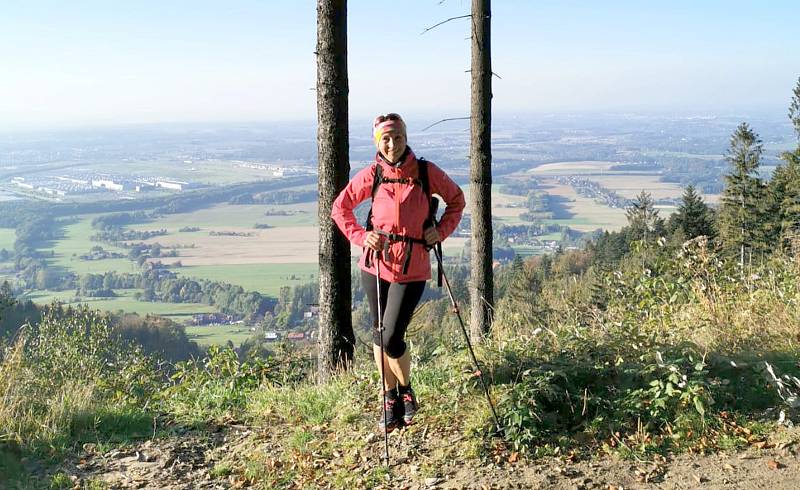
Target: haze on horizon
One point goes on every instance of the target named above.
(99, 63)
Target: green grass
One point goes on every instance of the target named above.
(11, 469)
(550, 236)
(528, 250)
(600, 217)
(216, 172)
(125, 302)
(76, 242)
(234, 216)
(264, 278)
(218, 334)
(7, 237)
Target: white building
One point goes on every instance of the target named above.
(173, 185)
(108, 184)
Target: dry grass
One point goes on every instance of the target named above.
(629, 186)
(283, 245)
(28, 414)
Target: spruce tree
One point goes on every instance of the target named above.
(521, 309)
(643, 220)
(794, 111)
(741, 216)
(783, 201)
(693, 217)
(785, 183)
(598, 289)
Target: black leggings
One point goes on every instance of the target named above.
(398, 301)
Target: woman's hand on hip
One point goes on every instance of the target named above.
(373, 241)
(432, 236)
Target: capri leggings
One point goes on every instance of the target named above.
(398, 301)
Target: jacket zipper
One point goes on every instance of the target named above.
(397, 210)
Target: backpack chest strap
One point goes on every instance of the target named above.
(407, 181)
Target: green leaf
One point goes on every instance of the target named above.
(698, 405)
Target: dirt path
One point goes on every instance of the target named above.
(188, 461)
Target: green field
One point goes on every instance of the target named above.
(528, 250)
(235, 216)
(7, 237)
(205, 172)
(125, 302)
(75, 242)
(218, 334)
(264, 278)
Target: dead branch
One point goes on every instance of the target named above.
(445, 120)
(493, 73)
(444, 22)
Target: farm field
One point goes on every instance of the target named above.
(7, 237)
(75, 242)
(629, 186)
(280, 245)
(238, 216)
(587, 215)
(500, 204)
(572, 168)
(264, 278)
(206, 335)
(626, 184)
(125, 302)
(213, 172)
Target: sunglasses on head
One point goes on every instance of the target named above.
(389, 117)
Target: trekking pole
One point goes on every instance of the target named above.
(469, 344)
(383, 358)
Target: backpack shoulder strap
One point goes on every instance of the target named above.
(433, 206)
(377, 179)
(422, 169)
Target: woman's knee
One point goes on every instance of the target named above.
(393, 347)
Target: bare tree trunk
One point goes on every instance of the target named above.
(336, 339)
(482, 282)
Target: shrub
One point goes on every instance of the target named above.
(220, 384)
(65, 374)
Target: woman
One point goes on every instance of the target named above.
(396, 241)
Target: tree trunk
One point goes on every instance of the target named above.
(336, 339)
(482, 282)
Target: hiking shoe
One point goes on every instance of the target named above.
(390, 418)
(410, 404)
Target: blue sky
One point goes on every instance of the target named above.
(99, 62)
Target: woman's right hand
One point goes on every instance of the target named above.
(373, 241)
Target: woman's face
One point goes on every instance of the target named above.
(392, 145)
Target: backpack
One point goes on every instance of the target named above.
(433, 206)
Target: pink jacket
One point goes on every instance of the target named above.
(398, 208)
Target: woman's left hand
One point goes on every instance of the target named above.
(432, 236)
